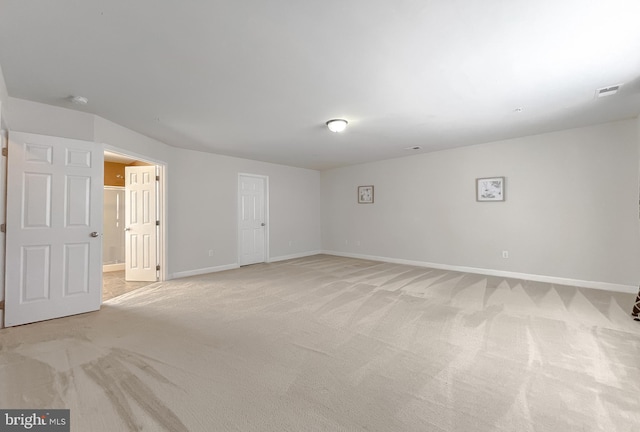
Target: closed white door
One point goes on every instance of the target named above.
(54, 220)
(252, 219)
(140, 222)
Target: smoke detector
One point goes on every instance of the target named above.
(79, 100)
(607, 91)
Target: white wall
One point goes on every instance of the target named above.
(33, 117)
(571, 209)
(4, 96)
(202, 190)
(113, 134)
(202, 203)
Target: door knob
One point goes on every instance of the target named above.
(262, 224)
(94, 234)
(127, 229)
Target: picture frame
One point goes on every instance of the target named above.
(490, 189)
(365, 194)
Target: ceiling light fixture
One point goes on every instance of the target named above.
(337, 125)
(79, 100)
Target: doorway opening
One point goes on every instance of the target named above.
(133, 214)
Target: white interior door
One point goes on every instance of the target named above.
(54, 220)
(140, 222)
(252, 219)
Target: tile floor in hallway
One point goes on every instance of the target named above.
(114, 285)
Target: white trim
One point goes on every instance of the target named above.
(606, 286)
(294, 256)
(201, 271)
(163, 197)
(143, 158)
(162, 170)
(106, 268)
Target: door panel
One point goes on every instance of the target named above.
(140, 222)
(77, 200)
(37, 201)
(54, 204)
(252, 220)
(76, 256)
(35, 265)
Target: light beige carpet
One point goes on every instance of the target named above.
(335, 344)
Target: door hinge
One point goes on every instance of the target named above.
(157, 178)
(157, 267)
(3, 228)
(2, 305)
(157, 223)
(5, 151)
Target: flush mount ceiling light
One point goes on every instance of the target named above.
(337, 125)
(79, 100)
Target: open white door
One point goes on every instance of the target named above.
(54, 220)
(252, 219)
(140, 222)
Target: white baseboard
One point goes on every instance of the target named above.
(112, 267)
(294, 256)
(500, 273)
(205, 270)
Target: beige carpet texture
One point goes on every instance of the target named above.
(325, 343)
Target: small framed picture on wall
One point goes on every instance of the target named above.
(490, 189)
(365, 194)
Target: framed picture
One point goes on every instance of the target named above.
(490, 189)
(365, 194)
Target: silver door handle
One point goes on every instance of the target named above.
(127, 229)
(94, 234)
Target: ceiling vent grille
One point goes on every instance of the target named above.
(607, 91)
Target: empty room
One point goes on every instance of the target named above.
(320, 216)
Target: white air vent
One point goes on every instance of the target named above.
(607, 91)
(413, 148)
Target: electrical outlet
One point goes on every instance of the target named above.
(505, 254)
(290, 242)
(210, 252)
(357, 242)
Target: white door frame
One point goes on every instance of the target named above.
(4, 142)
(266, 215)
(162, 203)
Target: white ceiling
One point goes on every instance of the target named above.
(258, 79)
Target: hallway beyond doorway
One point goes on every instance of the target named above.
(114, 285)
